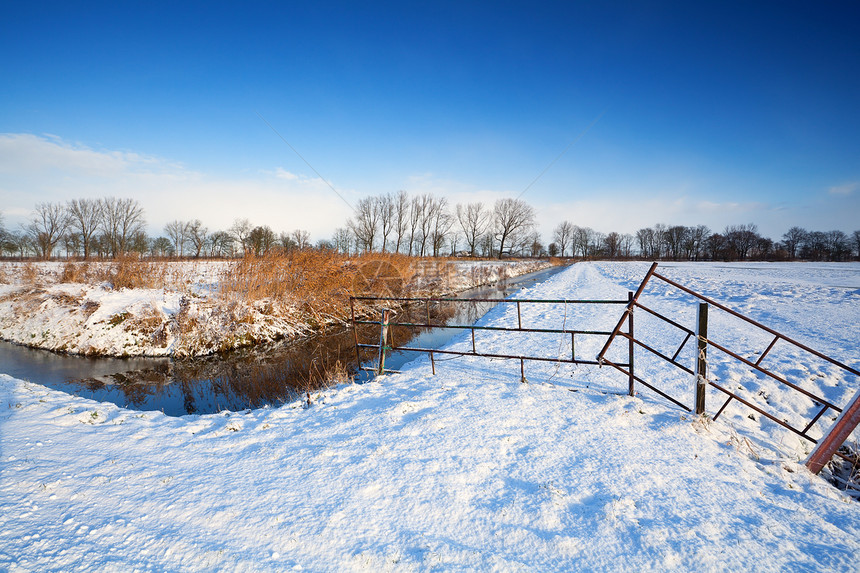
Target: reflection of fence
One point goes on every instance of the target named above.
(386, 344)
(831, 441)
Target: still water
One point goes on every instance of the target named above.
(248, 378)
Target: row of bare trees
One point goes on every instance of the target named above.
(421, 225)
(109, 227)
(744, 242)
(426, 225)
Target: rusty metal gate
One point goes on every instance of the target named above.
(826, 447)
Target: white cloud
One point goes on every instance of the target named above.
(845, 188)
(282, 173)
(37, 169)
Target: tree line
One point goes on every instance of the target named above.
(415, 225)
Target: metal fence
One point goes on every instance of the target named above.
(821, 455)
(386, 344)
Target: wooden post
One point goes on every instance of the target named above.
(522, 371)
(701, 356)
(383, 340)
(432, 363)
(836, 436)
(631, 391)
(519, 317)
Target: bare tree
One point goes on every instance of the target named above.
(416, 210)
(177, 231)
(161, 247)
(838, 246)
(302, 239)
(401, 218)
(581, 239)
(84, 218)
(535, 246)
(261, 240)
(365, 224)
(793, 239)
(856, 237)
(627, 241)
(675, 238)
(121, 220)
(425, 206)
(387, 220)
(442, 221)
(197, 234)
(596, 243)
(221, 244)
(562, 235)
(473, 219)
(240, 229)
(287, 242)
(342, 240)
(696, 239)
(741, 238)
(47, 227)
(512, 218)
(612, 245)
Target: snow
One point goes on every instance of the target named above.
(189, 317)
(466, 470)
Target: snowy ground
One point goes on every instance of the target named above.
(188, 317)
(467, 470)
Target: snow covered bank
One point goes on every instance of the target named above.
(190, 316)
(467, 470)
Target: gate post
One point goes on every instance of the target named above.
(835, 436)
(383, 340)
(630, 376)
(701, 356)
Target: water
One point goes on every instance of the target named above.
(248, 378)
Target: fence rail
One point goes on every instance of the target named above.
(384, 346)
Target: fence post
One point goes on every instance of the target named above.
(836, 436)
(355, 334)
(383, 339)
(701, 356)
(630, 376)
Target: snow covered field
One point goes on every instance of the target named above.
(466, 470)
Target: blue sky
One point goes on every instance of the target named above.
(682, 113)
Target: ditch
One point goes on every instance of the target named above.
(264, 375)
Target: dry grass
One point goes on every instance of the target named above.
(319, 283)
(75, 272)
(30, 274)
(130, 272)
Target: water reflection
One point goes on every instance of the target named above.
(249, 378)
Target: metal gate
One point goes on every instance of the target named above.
(826, 447)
